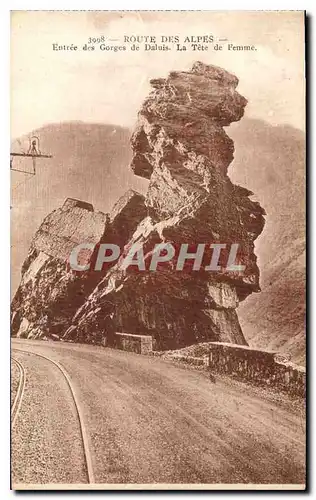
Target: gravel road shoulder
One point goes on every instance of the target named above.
(46, 440)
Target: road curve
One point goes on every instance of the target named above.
(83, 432)
(46, 442)
(152, 421)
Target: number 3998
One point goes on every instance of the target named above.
(100, 39)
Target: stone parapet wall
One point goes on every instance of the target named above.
(141, 344)
(260, 367)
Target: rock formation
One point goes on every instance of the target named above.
(50, 293)
(181, 147)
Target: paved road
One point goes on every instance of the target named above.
(152, 421)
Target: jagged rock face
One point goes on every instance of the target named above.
(50, 292)
(180, 145)
(183, 118)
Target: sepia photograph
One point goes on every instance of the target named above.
(158, 236)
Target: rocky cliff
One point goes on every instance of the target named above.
(181, 147)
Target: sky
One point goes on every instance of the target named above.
(108, 87)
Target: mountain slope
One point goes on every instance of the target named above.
(271, 162)
(90, 162)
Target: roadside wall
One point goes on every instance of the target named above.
(141, 344)
(260, 367)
